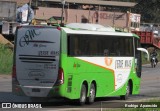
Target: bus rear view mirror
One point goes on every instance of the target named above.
(144, 50)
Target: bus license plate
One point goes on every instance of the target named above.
(35, 90)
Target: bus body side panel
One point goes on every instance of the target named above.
(135, 81)
(77, 70)
(111, 79)
(80, 71)
(106, 79)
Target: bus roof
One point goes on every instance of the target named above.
(72, 31)
(94, 29)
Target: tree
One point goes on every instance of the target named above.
(149, 10)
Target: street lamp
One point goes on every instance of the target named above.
(63, 3)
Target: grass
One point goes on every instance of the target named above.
(6, 59)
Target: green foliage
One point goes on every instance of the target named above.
(149, 10)
(6, 58)
(144, 57)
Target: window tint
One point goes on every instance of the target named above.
(98, 45)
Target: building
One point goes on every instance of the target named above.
(106, 12)
(19, 2)
(115, 13)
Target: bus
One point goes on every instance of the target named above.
(79, 62)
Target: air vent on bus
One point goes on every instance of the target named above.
(91, 27)
(37, 59)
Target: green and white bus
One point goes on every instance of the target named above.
(79, 61)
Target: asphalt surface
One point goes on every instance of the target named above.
(150, 88)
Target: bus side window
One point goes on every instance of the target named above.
(77, 52)
(115, 50)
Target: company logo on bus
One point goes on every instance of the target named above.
(36, 74)
(28, 37)
(108, 61)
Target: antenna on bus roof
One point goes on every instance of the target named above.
(92, 27)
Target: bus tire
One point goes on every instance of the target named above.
(128, 90)
(83, 95)
(92, 94)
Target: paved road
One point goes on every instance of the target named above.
(150, 84)
(150, 88)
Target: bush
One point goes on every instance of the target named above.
(6, 59)
(145, 61)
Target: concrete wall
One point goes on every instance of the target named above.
(8, 10)
(76, 15)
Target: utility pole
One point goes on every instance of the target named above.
(29, 5)
(63, 3)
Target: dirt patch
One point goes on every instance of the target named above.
(5, 76)
(6, 42)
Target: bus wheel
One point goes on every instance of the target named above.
(92, 94)
(128, 90)
(83, 96)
